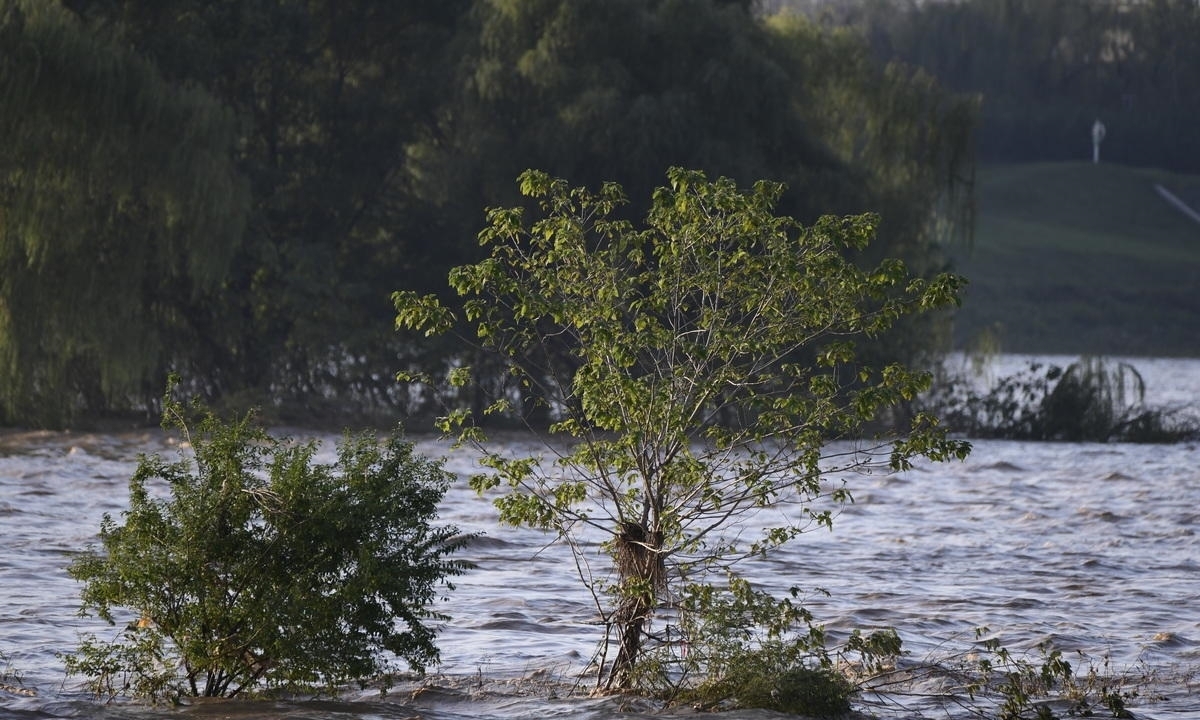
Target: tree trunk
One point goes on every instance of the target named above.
(630, 620)
(639, 562)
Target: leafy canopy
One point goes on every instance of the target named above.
(251, 567)
(121, 210)
(698, 368)
(227, 189)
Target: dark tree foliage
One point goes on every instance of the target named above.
(330, 94)
(905, 142)
(120, 212)
(348, 146)
(598, 90)
(616, 90)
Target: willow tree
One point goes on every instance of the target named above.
(120, 208)
(328, 94)
(695, 370)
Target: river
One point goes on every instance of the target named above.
(1090, 547)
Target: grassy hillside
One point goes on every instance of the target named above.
(1077, 258)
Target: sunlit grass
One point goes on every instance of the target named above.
(1080, 258)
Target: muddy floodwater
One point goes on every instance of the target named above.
(1092, 547)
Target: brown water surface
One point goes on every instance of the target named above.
(1092, 548)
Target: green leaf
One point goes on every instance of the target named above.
(698, 387)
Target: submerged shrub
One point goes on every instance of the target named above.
(1091, 400)
(814, 692)
(744, 648)
(248, 567)
(10, 679)
(1033, 685)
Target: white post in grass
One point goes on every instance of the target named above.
(1097, 136)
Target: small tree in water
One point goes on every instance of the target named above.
(699, 369)
(258, 569)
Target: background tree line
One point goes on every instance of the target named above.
(1047, 70)
(231, 190)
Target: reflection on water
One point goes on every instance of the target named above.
(1090, 547)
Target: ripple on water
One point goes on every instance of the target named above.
(1092, 550)
(999, 466)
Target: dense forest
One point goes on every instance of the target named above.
(230, 190)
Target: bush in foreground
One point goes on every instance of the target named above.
(248, 567)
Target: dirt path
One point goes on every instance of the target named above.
(1176, 203)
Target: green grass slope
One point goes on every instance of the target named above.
(1075, 258)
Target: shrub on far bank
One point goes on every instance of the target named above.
(245, 567)
(1091, 400)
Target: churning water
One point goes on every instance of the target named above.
(1091, 547)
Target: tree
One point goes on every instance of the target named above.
(692, 371)
(596, 90)
(323, 148)
(249, 567)
(907, 145)
(328, 95)
(620, 89)
(120, 210)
